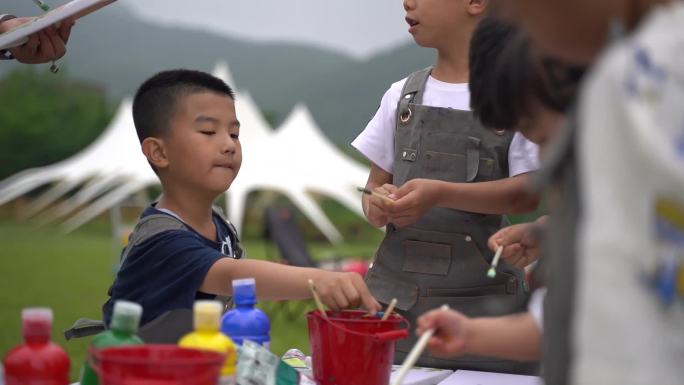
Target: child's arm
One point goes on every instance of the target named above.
(374, 207)
(503, 196)
(515, 336)
(276, 281)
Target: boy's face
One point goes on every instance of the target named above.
(572, 31)
(435, 23)
(203, 148)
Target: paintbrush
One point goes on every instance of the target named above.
(390, 309)
(491, 273)
(373, 193)
(317, 299)
(415, 352)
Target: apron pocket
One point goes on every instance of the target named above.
(445, 166)
(384, 289)
(427, 257)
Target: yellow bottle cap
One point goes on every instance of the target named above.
(207, 315)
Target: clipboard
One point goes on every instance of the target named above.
(75, 8)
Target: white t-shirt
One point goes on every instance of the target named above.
(376, 142)
(536, 306)
(631, 154)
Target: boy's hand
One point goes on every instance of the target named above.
(521, 246)
(345, 291)
(413, 200)
(43, 46)
(378, 208)
(451, 331)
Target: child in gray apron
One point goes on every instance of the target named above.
(443, 257)
(424, 130)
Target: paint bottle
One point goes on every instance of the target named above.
(122, 329)
(38, 361)
(246, 322)
(207, 320)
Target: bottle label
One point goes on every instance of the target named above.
(256, 364)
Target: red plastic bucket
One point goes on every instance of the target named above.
(156, 365)
(350, 349)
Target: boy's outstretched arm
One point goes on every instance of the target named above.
(503, 196)
(374, 207)
(515, 336)
(275, 281)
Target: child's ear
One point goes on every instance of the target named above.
(477, 7)
(154, 151)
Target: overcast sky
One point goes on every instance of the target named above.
(358, 27)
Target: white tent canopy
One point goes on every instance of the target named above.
(296, 159)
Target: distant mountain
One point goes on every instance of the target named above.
(117, 50)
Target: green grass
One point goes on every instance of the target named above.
(42, 267)
(71, 273)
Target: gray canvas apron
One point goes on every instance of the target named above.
(443, 258)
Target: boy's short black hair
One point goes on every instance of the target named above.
(505, 78)
(157, 98)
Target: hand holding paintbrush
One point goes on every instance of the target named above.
(417, 350)
(377, 204)
(374, 193)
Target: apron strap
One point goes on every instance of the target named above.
(412, 93)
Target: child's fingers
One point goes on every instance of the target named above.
(427, 321)
(508, 235)
(512, 253)
(65, 29)
(330, 301)
(494, 241)
(383, 204)
(369, 302)
(45, 48)
(341, 299)
(376, 215)
(389, 188)
(442, 348)
(29, 49)
(405, 203)
(435, 342)
(439, 347)
(375, 204)
(501, 238)
(384, 191)
(351, 294)
(58, 47)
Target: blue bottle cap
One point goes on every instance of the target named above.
(244, 291)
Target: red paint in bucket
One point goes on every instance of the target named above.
(350, 349)
(156, 365)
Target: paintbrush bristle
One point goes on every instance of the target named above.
(364, 190)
